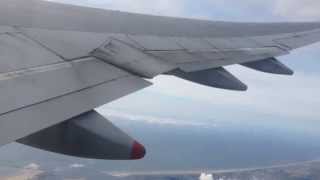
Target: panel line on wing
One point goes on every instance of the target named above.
(76, 91)
(39, 69)
(42, 45)
(49, 113)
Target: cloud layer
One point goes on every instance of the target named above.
(156, 120)
(307, 10)
(271, 94)
(163, 7)
(204, 176)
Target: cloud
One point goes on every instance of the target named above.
(307, 10)
(295, 10)
(163, 7)
(31, 171)
(118, 174)
(293, 96)
(76, 165)
(32, 166)
(204, 176)
(164, 121)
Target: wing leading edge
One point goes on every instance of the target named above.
(55, 68)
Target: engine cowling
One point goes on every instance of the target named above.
(89, 135)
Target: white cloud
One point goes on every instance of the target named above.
(298, 9)
(294, 96)
(154, 119)
(304, 10)
(117, 174)
(204, 176)
(163, 7)
(76, 165)
(32, 166)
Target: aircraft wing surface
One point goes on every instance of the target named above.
(59, 62)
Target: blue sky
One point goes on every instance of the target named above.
(286, 99)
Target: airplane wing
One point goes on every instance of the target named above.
(59, 62)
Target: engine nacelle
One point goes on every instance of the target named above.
(89, 136)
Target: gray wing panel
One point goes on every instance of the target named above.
(232, 43)
(67, 44)
(189, 54)
(34, 105)
(297, 40)
(19, 52)
(200, 60)
(217, 52)
(156, 43)
(228, 51)
(7, 29)
(131, 59)
(26, 87)
(193, 44)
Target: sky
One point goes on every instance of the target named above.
(244, 10)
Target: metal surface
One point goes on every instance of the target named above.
(7, 29)
(218, 77)
(41, 103)
(271, 65)
(231, 43)
(88, 135)
(18, 52)
(268, 41)
(155, 43)
(25, 88)
(68, 44)
(131, 59)
(297, 40)
(194, 44)
(229, 57)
